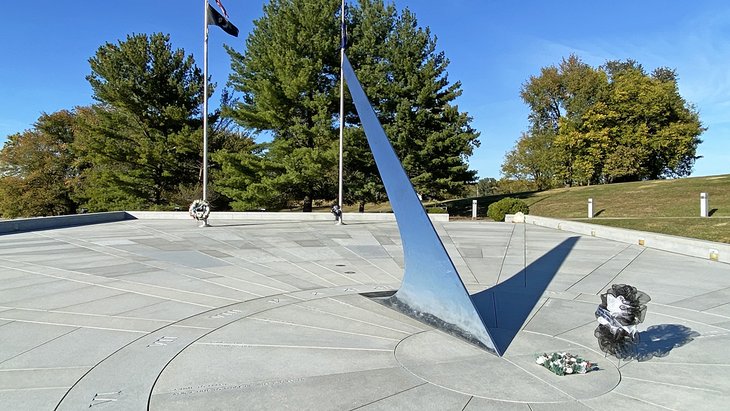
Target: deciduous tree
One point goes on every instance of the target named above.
(37, 169)
(606, 124)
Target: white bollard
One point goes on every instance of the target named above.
(590, 208)
(704, 205)
(473, 209)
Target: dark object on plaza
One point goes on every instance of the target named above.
(199, 210)
(622, 308)
(337, 211)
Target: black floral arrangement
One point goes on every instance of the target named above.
(622, 308)
(199, 210)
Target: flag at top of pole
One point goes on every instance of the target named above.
(219, 20)
(223, 9)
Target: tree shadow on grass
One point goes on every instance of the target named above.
(505, 307)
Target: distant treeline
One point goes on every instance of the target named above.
(140, 146)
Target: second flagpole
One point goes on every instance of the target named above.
(205, 105)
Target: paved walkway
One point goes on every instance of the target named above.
(163, 315)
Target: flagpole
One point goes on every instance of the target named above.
(342, 103)
(205, 102)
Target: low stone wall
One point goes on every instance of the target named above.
(680, 245)
(47, 223)
(278, 216)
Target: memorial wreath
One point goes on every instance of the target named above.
(199, 210)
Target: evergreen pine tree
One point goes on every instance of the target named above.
(289, 78)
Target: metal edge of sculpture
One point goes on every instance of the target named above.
(431, 290)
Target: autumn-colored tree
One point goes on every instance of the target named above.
(37, 170)
(601, 125)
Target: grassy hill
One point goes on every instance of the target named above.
(662, 206)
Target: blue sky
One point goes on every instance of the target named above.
(493, 46)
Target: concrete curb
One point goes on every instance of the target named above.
(686, 246)
(48, 223)
(279, 216)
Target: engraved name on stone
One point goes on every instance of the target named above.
(164, 340)
(209, 388)
(226, 314)
(105, 397)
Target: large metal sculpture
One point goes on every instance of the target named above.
(432, 290)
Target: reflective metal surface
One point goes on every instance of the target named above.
(431, 290)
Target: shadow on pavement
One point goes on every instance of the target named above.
(660, 340)
(505, 307)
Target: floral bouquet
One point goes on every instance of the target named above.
(622, 308)
(562, 363)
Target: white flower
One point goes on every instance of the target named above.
(564, 363)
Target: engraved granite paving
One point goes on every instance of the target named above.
(163, 315)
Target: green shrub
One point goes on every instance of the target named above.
(509, 205)
(437, 210)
